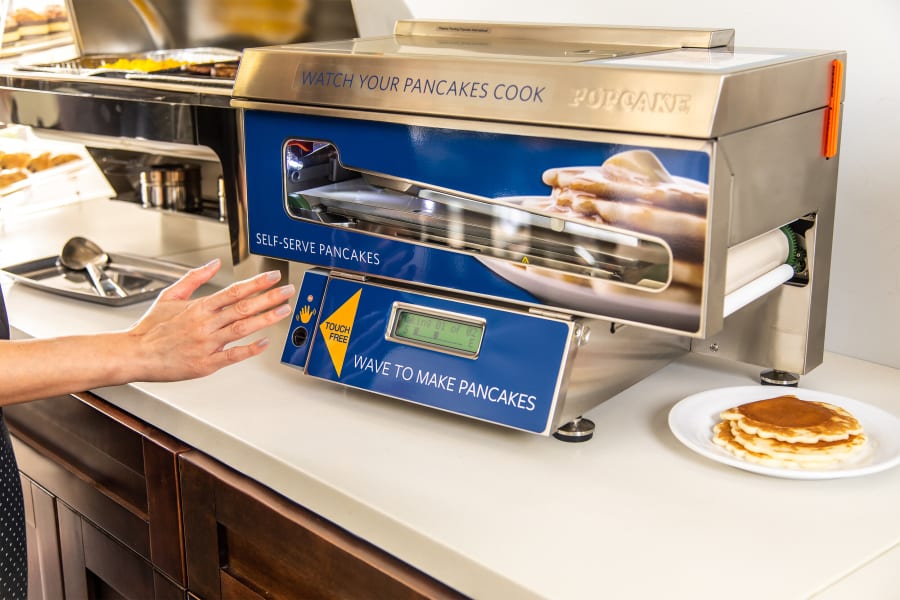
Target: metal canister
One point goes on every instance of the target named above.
(151, 196)
(171, 186)
(220, 196)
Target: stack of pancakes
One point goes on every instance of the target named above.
(787, 432)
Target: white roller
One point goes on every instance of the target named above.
(760, 286)
(753, 258)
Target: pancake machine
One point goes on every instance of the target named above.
(515, 222)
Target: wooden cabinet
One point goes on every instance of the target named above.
(96, 565)
(44, 560)
(102, 492)
(117, 509)
(245, 542)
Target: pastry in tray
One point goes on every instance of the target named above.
(17, 168)
(14, 160)
(8, 177)
(48, 160)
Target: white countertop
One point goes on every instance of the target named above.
(497, 513)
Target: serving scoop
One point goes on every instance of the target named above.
(81, 254)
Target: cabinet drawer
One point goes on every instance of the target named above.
(244, 541)
(45, 580)
(97, 566)
(116, 471)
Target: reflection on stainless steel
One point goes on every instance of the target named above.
(82, 254)
(161, 24)
(492, 229)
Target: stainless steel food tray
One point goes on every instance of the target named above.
(96, 65)
(141, 277)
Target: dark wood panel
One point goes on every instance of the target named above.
(117, 471)
(87, 442)
(115, 565)
(72, 550)
(246, 539)
(35, 586)
(201, 535)
(44, 565)
(97, 567)
(164, 504)
(166, 589)
(84, 497)
(232, 589)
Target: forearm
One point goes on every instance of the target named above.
(35, 369)
(176, 339)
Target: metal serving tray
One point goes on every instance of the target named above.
(97, 64)
(142, 278)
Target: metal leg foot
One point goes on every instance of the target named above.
(579, 430)
(782, 378)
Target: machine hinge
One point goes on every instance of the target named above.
(347, 275)
(550, 313)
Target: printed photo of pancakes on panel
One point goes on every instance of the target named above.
(633, 191)
(787, 432)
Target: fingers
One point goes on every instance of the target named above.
(240, 329)
(191, 281)
(240, 290)
(241, 326)
(245, 308)
(236, 354)
(246, 316)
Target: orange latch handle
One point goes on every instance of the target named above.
(833, 110)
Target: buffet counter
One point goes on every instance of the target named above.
(496, 513)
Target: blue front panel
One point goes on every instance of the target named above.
(483, 164)
(306, 313)
(512, 381)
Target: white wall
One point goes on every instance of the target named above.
(864, 302)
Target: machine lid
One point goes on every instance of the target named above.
(620, 40)
(676, 81)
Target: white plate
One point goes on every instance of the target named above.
(692, 420)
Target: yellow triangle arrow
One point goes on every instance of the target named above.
(336, 330)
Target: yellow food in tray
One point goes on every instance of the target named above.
(145, 65)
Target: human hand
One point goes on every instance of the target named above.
(182, 338)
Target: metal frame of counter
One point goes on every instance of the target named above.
(497, 513)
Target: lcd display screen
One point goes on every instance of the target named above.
(437, 331)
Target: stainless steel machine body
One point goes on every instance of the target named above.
(762, 122)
